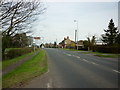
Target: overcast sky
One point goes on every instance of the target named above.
(58, 20)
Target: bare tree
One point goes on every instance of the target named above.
(16, 15)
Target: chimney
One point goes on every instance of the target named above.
(64, 38)
(67, 37)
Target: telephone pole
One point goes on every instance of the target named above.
(76, 34)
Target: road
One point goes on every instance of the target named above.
(72, 69)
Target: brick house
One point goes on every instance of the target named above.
(80, 44)
(67, 43)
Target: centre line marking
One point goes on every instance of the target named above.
(69, 54)
(116, 71)
(77, 57)
(85, 60)
(94, 63)
(48, 85)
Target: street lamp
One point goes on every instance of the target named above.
(76, 33)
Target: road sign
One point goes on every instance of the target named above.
(36, 37)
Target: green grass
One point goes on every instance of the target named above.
(71, 49)
(108, 56)
(25, 72)
(0, 65)
(8, 49)
(1, 83)
(90, 52)
(7, 63)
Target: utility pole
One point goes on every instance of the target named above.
(76, 34)
(56, 42)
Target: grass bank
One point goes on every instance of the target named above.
(99, 54)
(71, 49)
(25, 72)
(7, 63)
(107, 56)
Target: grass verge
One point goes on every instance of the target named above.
(90, 52)
(7, 63)
(106, 55)
(71, 49)
(25, 72)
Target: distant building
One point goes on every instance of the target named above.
(80, 44)
(42, 46)
(67, 43)
(51, 45)
(100, 42)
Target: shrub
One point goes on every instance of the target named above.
(17, 52)
(107, 49)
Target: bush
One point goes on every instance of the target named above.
(107, 49)
(85, 49)
(17, 52)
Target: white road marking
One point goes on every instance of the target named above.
(94, 63)
(48, 71)
(116, 71)
(77, 57)
(85, 60)
(90, 62)
(73, 55)
(48, 85)
(69, 54)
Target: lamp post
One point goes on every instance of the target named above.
(76, 33)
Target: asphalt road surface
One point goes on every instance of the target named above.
(72, 69)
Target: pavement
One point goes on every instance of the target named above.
(71, 69)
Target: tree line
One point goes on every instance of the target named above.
(112, 34)
(16, 19)
(110, 39)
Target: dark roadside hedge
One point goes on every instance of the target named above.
(107, 49)
(17, 52)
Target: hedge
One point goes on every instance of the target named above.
(17, 52)
(107, 49)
